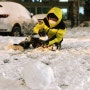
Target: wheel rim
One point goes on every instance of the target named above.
(16, 31)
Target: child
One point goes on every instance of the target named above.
(53, 26)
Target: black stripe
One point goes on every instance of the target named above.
(61, 25)
(46, 22)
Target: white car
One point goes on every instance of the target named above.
(14, 19)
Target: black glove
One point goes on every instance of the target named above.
(34, 34)
(45, 42)
(42, 33)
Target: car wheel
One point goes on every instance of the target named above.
(16, 31)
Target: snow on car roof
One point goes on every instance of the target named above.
(13, 8)
(39, 16)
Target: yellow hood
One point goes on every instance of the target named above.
(56, 11)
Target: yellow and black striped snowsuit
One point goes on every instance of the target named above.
(58, 31)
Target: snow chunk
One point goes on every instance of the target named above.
(38, 75)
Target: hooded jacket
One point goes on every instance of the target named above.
(57, 31)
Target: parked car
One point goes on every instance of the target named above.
(14, 19)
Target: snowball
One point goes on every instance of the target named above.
(38, 75)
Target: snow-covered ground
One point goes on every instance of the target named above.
(71, 65)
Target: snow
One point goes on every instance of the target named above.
(38, 17)
(71, 65)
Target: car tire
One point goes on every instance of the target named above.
(16, 31)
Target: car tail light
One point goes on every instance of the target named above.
(4, 15)
(1, 6)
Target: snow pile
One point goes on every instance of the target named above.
(70, 66)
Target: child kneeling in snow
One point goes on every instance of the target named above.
(53, 26)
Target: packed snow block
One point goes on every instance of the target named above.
(37, 75)
(53, 86)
